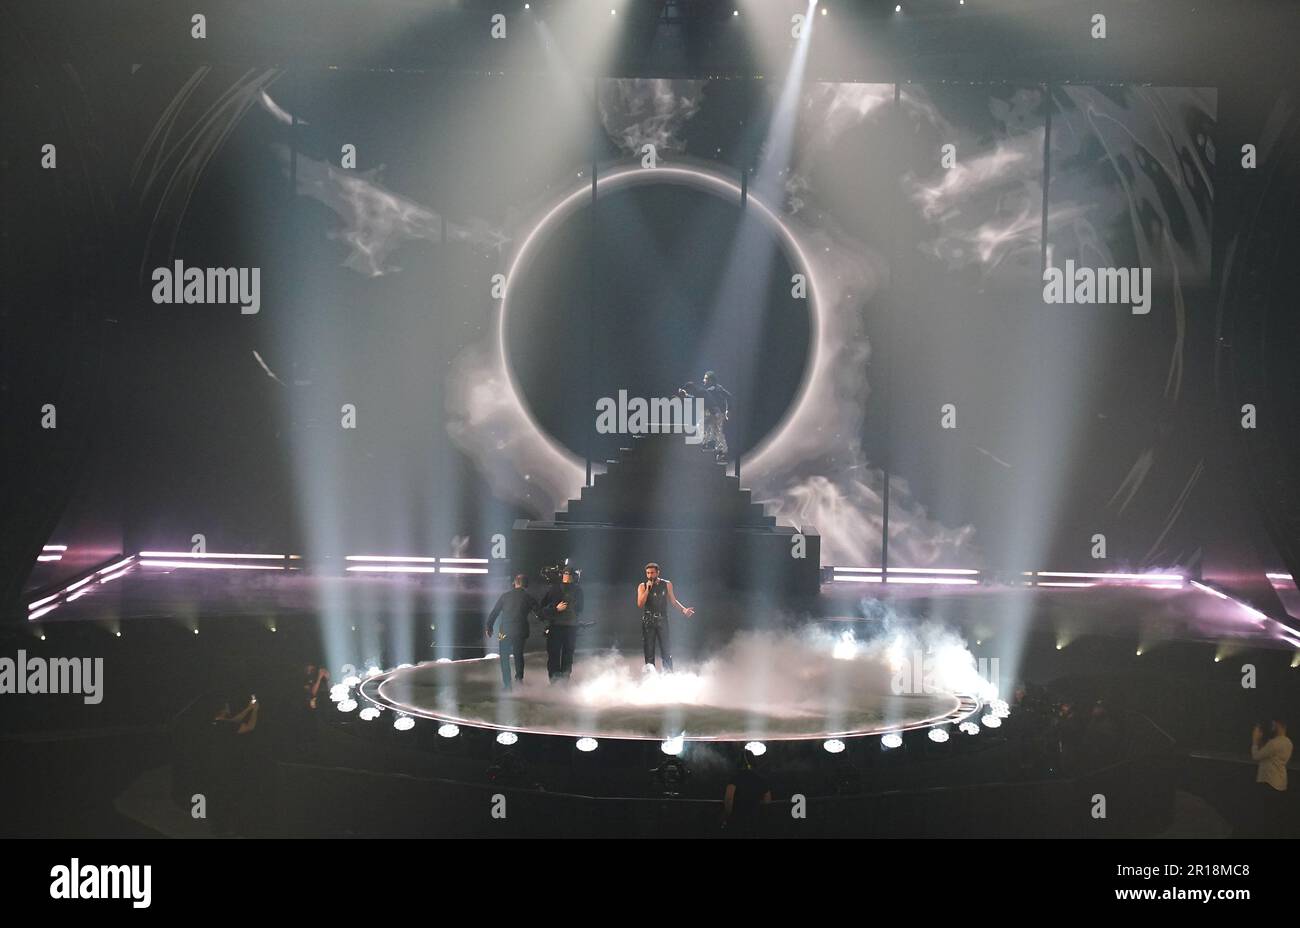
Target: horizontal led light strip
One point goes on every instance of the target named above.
(942, 581)
(872, 575)
(407, 565)
(209, 565)
(1162, 578)
(908, 570)
(964, 576)
(195, 555)
(463, 561)
(387, 559)
(393, 564)
(358, 563)
(919, 576)
(51, 553)
(394, 569)
(48, 604)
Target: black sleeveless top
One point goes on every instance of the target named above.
(656, 603)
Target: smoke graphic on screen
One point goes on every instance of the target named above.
(637, 111)
(374, 221)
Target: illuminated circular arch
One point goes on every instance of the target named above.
(698, 177)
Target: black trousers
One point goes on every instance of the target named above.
(654, 630)
(506, 647)
(560, 642)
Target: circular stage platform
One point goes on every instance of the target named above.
(609, 696)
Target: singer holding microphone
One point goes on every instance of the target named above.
(652, 598)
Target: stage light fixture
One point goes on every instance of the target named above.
(673, 746)
(369, 714)
(938, 735)
(891, 741)
(403, 723)
(833, 746)
(339, 691)
(350, 680)
(969, 727)
(586, 745)
(373, 671)
(757, 748)
(671, 776)
(448, 730)
(507, 738)
(347, 705)
(991, 721)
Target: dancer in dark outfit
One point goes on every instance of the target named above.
(513, 608)
(562, 608)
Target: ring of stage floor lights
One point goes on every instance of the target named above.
(936, 711)
(708, 180)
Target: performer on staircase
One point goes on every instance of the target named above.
(652, 598)
(717, 409)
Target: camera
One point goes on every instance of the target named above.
(552, 573)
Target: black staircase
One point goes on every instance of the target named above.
(662, 481)
(668, 501)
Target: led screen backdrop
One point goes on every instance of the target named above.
(442, 302)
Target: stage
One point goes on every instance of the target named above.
(609, 696)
